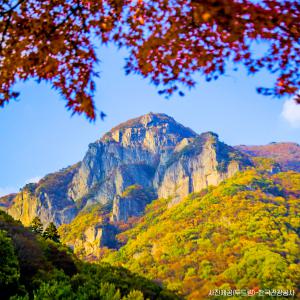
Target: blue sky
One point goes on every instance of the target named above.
(39, 135)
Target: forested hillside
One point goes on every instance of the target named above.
(243, 233)
(35, 267)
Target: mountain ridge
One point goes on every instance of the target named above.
(147, 120)
(152, 151)
(287, 154)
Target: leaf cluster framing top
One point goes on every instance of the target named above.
(168, 41)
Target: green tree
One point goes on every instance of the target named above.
(108, 291)
(134, 295)
(52, 233)
(9, 266)
(36, 226)
(54, 290)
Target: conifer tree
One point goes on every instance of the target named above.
(36, 226)
(9, 266)
(52, 233)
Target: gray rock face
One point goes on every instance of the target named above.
(93, 239)
(202, 162)
(131, 203)
(153, 152)
(101, 235)
(107, 169)
(47, 199)
(129, 154)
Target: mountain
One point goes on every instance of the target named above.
(286, 154)
(152, 151)
(136, 162)
(170, 205)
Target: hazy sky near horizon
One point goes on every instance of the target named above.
(39, 135)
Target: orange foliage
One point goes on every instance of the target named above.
(168, 42)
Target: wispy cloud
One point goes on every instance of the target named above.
(9, 189)
(291, 113)
(33, 179)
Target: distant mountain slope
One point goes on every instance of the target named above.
(242, 234)
(47, 199)
(286, 154)
(6, 201)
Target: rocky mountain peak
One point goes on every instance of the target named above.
(152, 131)
(148, 120)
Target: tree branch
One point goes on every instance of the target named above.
(11, 8)
(5, 31)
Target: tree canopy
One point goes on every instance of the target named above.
(9, 266)
(51, 233)
(168, 41)
(32, 267)
(36, 225)
(241, 234)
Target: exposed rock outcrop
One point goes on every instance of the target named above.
(131, 203)
(47, 199)
(94, 238)
(202, 162)
(129, 154)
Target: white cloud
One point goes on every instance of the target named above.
(291, 113)
(7, 190)
(33, 180)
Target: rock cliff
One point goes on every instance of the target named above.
(131, 203)
(93, 239)
(47, 199)
(203, 161)
(129, 154)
